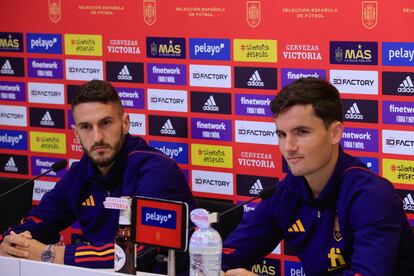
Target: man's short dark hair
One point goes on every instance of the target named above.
(96, 91)
(323, 96)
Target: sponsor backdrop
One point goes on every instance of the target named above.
(197, 78)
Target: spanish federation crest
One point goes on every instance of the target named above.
(253, 13)
(369, 14)
(337, 231)
(55, 12)
(150, 12)
(338, 54)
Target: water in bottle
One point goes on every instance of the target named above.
(205, 246)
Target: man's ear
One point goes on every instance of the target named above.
(337, 129)
(125, 123)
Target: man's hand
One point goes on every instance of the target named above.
(239, 272)
(15, 245)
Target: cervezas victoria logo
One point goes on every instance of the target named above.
(253, 13)
(369, 14)
(150, 12)
(55, 11)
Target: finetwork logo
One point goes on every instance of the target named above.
(175, 74)
(44, 43)
(209, 49)
(290, 75)
(131, 97)
(12, 91)
(45, 68)
(42, 164)
(398, 83)
(253, 105)
(360, 139)
(398, 112)
(398, 53)
(211, 129)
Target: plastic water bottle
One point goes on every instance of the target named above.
(205, 246)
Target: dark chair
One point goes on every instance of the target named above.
(16, 204)
(229, 221)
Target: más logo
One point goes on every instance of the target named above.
(46, 93)
(86, 70)
(83, 44)
(267, 267)
(398, 142)
(360, 139)
(13, 164)
(212, 156)
(11, 67)
(256, 132)
(211, 129)
(398, 83)
(125, 71)
(175, 74)
(253, 105)
(355, 82)
(360, 110)
(166, 47)
(123, 47)
(255, 50)
(290, 75)
(159, 217)
(407, 198)
(255, 77)
(401, 113)
(13, 115)
(137, 124)
(40, 117)
(11, 42)
(398, 171)
(12, 91)
(12, 139)
(251, 185)
(212, 182)
(168, 126)
(47, 142)
(398, 53)
(208, 102)
(44, 68)
(131, 97)
(209, 49)
(44, 43)
(167, 100)
(302, 52)
(210, 75)
(176, 151)
(43, 164)
(350, 52)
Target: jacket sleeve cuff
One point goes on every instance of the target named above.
(92, 256)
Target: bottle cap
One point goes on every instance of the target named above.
(199, 217)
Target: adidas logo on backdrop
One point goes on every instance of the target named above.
(11, 166)
(354, 113)
(255, 80)
(256, 188)
(210, 104)
(168, 128)
(407, 85)
(124, 74)
(47, 120)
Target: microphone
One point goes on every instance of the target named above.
(266, 193)
(57, 166)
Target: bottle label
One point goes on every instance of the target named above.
(120, 258)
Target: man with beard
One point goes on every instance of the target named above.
(114, 164)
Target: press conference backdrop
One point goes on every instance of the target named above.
(197, 78)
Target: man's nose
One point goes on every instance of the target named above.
(290, 144)
(97, 134)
